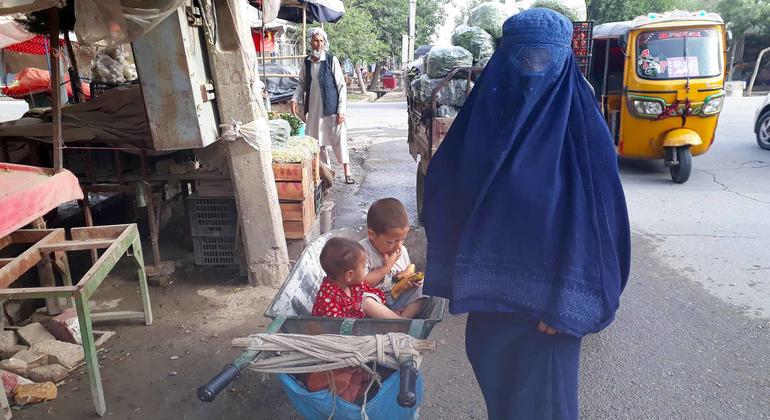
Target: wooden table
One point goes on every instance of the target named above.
(48, 251)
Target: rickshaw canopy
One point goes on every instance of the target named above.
(617, 29)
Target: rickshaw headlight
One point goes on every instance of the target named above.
(713, 106)
(647, 108)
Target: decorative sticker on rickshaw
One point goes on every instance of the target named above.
(679, 67)
(651, 66)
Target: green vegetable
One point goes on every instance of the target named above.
(294, 122)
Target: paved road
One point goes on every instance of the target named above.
(692, 337)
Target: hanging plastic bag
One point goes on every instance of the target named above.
(117, 22)
(474, 39)
(575, 10)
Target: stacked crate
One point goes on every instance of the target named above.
(296, 185)
(582, 45)
(213, 227)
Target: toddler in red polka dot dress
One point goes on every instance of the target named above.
(343, 293)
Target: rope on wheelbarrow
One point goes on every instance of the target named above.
(299, 353)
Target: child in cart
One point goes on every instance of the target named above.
(343, 292)
(387, 259)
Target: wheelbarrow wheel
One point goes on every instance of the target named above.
(680, 172)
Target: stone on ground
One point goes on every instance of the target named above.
(65, 354)
(34, 333)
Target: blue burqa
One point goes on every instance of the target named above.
(526, 220)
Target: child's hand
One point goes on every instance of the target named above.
(413, 284)
(390, 259)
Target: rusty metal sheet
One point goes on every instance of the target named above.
(170, 60)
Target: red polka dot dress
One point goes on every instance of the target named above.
(332, 301)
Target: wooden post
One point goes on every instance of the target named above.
(54, 53)
(304, 28)
(154, 227)
(74, 81)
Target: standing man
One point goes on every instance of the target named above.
(323, 94)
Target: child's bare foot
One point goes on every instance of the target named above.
(415, 308)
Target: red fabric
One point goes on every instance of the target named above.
(27, 193)
(332, 301)
(256, 36)
(32, 80)
(35, 46)
(389, 82)
(349, 383)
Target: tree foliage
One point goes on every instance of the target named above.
(372, 30)
(743, 15)
(355, 37)
(746, 16)
(603, 11)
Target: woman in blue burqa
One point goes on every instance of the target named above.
(526, 221)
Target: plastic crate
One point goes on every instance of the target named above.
(582, 45)
(214, 250)
(212, 216)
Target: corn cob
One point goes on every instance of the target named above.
(399, 287)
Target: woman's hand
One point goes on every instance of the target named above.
(547, 329)
(340, 118)
(294, 108)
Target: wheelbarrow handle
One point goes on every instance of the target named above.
(217, 384)
(407, 395)
(228, 375)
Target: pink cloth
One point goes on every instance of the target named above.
(28, 192)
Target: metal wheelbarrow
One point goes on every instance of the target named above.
(291, 308)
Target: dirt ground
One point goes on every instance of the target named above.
(196, 318)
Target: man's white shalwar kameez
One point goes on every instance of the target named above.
(324, 128)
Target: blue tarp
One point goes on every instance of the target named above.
(317, 11)
(318, 405)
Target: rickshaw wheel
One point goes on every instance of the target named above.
(681, 173)
(763, 131)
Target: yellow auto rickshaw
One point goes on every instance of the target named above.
(660, 81)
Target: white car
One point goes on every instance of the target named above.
(762, 124)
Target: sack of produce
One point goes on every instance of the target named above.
(574, 10)
(452, 94)
(490, 17)
(296, 149)
(474, 39)
(441, 60)
(447, 111)
(415, 88)
(279, 131)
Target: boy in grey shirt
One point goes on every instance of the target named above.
(387, 257)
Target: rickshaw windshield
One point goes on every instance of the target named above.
(678, 54)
